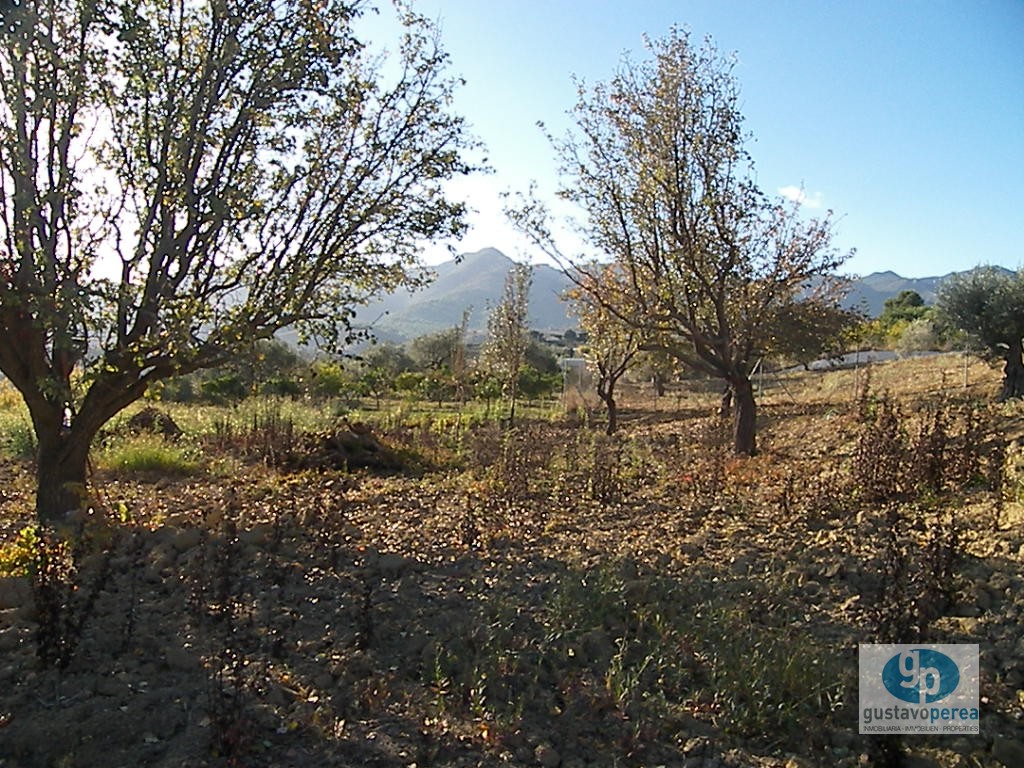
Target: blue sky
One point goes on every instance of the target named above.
(904, 117)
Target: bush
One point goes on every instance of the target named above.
(282, 386)
(19, 440)
(224, 389)
(534, 384)
(329, 380)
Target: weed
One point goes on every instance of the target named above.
(16, 556)
(880, 459)
(767, 680)
(919, 558)
(513, 481)
(595, 467)
(149, 453)
(67, 575)
(19, 439)
(269, 435)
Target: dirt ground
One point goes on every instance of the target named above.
(552, 600)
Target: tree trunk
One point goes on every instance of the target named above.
(1013, 372)
(61, 466)
(607, 394)
(725, 407)
(745, 418)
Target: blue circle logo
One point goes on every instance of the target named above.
(920, 676)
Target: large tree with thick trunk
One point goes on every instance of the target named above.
(182, 178)
(657, 163)
(988, 304)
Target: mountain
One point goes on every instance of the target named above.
(475, 281)
(869, 293)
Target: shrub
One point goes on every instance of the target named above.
(16, 556)
(18, 440)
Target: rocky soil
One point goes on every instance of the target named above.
(550, 599)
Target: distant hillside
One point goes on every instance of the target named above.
(870, 292)
(475, 281)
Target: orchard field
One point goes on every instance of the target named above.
(282, 584)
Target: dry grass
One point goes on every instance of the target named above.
(613, 600)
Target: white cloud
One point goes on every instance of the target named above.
(799, 195)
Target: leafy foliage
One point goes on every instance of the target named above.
(179, 180)
(658, 163)
(988, 304)
(612, 345)
(504, 351)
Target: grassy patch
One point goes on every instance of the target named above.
(645, 652)
(17, 439)
(149, 453)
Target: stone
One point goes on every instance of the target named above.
(259, 534)
(10, 640)
(186, 538)
(181, 659)
(15, 591)
(391, 564)
(1009, 752)
(547, 756)
(111, 686)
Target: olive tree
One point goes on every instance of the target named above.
(182, 178)
(988, 304)
(657, 164)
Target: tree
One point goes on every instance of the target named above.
(612, 345)
(919, 335)
(898, 313)
(658, 166)
(906, 306)
(504, 351)
(181, 178)
(379, 366)
(433, 351)
(804, 331)
(988, 304)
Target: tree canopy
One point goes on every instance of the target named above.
(988, 304)
(657, 162)
(504, 351)
(612, 345)
(179, 179)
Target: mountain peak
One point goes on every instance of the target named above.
(485, 255)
